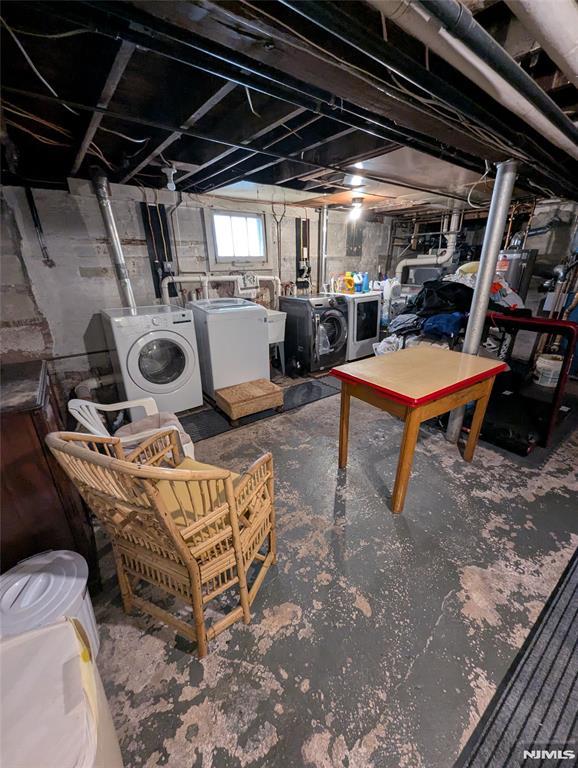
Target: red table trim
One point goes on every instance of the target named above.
(413, 402)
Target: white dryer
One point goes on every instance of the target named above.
(154, 354)
(233, 341)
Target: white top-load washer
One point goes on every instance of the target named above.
(154, 354)
(233, 341)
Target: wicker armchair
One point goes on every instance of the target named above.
(190, 529)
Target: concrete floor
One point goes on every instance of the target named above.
(376, 640)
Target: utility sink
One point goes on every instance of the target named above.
(276, 326)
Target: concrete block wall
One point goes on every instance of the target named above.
(24, 330)
(53, 312)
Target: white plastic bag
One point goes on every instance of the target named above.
(323, 344)
(389, 344)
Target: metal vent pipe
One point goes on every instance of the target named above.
(100, 186)
(322, 248)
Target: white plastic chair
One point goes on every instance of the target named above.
(87, 414)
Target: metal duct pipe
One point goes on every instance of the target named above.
(423, 25)
(498, 213)
(461, 24)
(440, 259)
(100, 185)
(322, 247)
(555, 27)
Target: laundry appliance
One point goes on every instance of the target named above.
(363, 323)
(154, 354)
(315, 331)
(233, 342)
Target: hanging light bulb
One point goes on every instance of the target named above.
(169, 172)
(356, 207)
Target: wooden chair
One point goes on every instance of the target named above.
(190, 529)
(88, 414)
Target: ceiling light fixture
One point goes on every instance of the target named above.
(169, 173)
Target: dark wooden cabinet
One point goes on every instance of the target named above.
(41, 509)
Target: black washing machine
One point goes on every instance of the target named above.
(315, 331)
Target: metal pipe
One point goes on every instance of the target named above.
(421, 24)
(100, 185)
(322, 247)
(332, 18)
(459, 21)
(554, 27)
(124, 117)
(497, 215)
(440, 259)
(185, 47)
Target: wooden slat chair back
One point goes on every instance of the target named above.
(192, 533)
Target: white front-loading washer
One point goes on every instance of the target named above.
(233, 342)
(154, 354)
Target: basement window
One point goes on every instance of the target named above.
(238, 237)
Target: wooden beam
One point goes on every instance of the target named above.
(253, 137)
(263, 166)
(206, 107)
(117, 69)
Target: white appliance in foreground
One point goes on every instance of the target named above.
(233, 341)
(154, 354)
(363, 322)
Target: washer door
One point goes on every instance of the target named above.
(334, 323)
(161, 361)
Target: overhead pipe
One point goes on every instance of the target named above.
(154, 35)
(215, 59)
(333, 20)
(440, 259)
(322, 247)
(555, 28)
(414, 19)
(100, 186)
(497, 215)
(205, 280)
(460, 23)
(170, 279)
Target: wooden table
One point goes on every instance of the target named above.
(416, 384)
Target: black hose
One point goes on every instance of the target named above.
(459, 21)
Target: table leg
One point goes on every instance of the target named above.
(344, 424)
(410, 433)
(477, 421)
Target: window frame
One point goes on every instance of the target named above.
(217, 264)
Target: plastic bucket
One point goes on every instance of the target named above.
(548, 369)
(43, 588)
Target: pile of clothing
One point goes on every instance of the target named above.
(438, 313)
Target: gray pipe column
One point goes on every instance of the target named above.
(498, 213)
(322, 247)
(100, 185)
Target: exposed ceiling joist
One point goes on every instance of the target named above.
(271, 124)
(117, 69)
(256, 169)
(200, 112)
